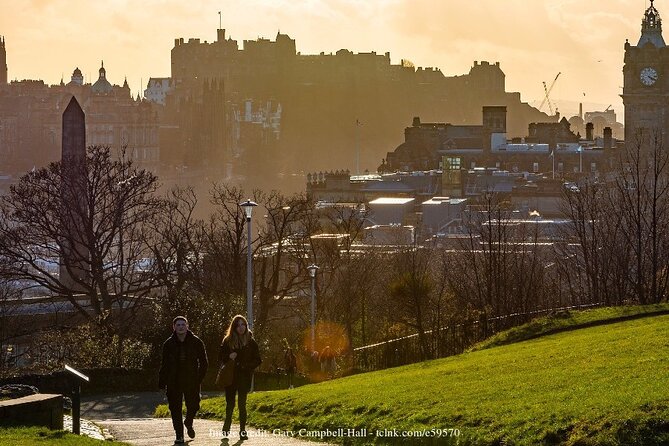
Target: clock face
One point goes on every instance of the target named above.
(648, 76)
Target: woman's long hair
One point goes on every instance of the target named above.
(234, 340)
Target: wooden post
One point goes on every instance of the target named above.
(76, 379)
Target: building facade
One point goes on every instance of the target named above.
(30, 121)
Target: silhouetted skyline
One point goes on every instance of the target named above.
(533, 40)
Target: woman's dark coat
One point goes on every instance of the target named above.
(247, 360)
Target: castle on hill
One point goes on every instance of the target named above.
(333, 104)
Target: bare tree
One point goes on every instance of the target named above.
(593, 255)
(498, 268)
(348, 275)
(11, 328)
(617, 245)
(176, 242)
(282, 250)
(642, 197)
(410, 292)
(105, 253)
(225, 243)
(480, 277)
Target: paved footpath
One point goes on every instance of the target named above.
(128, 418)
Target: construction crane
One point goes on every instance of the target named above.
(547, 91)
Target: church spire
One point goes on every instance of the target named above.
(651, 28)
(3, 61)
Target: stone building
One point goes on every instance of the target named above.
(30, 124)
(194, 131)
(549, 147)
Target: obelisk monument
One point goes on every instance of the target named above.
(75, 261)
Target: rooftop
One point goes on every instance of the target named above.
(392, 200)
(444, 200)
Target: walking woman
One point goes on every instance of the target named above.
(241, 350)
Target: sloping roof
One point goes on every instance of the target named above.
(102, 85)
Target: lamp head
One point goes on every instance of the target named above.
(313, 269)
(248, 206)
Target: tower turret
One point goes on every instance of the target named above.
(77, 78)
(102, 85)
(646, 80)
(651, 28)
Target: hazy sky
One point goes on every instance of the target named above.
(532, 39)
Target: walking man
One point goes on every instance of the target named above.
(182, 370)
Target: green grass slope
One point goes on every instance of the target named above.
(571, 320)
(29, 436)
(605, 385)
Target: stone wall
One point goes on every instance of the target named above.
(35, 410)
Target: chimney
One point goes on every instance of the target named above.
(494, 121)
(416, 121)
(580, 110)
(220, 35)
(589, 130)
(608, 138)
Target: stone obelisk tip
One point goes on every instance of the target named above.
(74, 132)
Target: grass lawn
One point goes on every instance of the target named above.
(28, 436)
(570, 320)
(604, 385)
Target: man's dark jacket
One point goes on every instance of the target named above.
(191, 371)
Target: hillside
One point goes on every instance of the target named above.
(599, 385)
(571, 320)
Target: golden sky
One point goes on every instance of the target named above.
(532, 39)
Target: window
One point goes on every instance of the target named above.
(593, 167)
(452, 171)
(452, 163)
(535, 167)
(560, 167)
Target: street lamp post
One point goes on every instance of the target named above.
(248, 206)
(313, 269)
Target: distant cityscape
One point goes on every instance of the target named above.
(447, 218)
(224, 107)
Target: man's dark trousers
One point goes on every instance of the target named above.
(175, 396)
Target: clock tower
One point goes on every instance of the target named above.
(646, 80)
